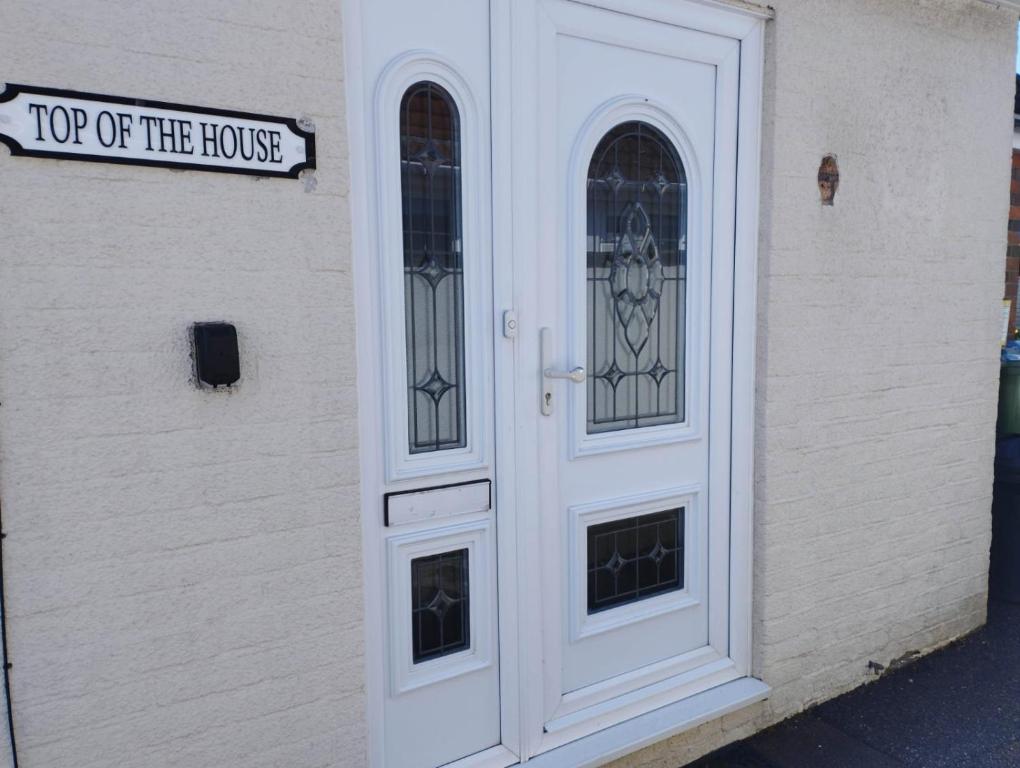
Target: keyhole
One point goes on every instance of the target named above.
(548, 399)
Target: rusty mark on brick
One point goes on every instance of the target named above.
(828, 179)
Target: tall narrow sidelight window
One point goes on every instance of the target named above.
(433, 268)
(636, 280)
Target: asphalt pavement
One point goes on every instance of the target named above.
(956, 708)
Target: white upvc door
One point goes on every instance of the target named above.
(625, 167)
(554, 226)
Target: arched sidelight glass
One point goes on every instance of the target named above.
(433, 268)
(636, 280)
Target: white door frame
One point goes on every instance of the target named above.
(521, 643)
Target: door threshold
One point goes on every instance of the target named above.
(631, 735)
(577, 722)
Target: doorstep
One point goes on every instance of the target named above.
(631, 735)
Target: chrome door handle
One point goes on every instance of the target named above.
(575, 375)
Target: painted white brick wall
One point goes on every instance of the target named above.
(184, 567)
(877, 342)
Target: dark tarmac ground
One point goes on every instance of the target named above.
(956, 708)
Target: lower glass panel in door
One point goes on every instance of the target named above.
(635, 558)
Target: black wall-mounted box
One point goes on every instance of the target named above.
(217, 362)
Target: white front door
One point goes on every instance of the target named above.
(545, 196)
(631, 268)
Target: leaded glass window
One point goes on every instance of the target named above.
(440, 618)
(636, 280)
(635, 558)
(433, 268)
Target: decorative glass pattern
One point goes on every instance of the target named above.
(636, 280)
(635, 558)
(440, 621)
(433, 268)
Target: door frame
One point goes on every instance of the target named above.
(520, 636)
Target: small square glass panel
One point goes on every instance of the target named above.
(635, 558)
(440, 620)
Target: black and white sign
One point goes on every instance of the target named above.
(49, 122)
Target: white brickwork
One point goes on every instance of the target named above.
(184, 577)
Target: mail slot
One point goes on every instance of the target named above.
(437, 503)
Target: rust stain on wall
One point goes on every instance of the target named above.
(828, 179)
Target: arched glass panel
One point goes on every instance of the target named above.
(636, 280)
(433, 268)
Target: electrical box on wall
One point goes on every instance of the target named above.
(217, 362)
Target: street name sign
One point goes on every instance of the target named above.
(69, 125)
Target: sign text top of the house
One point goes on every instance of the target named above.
(48, 122)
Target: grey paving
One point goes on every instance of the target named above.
(957, 708)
